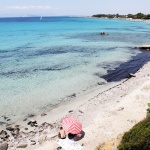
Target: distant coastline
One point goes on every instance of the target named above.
(134, 17)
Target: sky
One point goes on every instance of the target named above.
(19, 8)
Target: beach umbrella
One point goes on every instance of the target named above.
(71, 125)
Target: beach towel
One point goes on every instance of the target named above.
(69, 144)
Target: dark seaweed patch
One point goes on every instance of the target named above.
(124, 69)
(26, 72)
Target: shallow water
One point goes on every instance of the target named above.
(44, 61)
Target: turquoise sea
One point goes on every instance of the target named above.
(44, 61)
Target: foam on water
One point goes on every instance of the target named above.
(44, 61)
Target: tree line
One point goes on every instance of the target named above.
(131, 16)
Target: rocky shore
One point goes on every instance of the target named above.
(104, 116)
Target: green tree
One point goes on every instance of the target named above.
(140, 16)
(130, 16)
(117, 15)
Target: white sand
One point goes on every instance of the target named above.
(105, 115)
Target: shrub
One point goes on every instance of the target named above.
(138, 138)
(148, 109)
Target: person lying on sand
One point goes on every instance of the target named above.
(62, 133)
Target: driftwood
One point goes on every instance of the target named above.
(130, 75)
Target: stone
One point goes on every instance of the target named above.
(33, 143)
(32, 140)
(32, 123)
(70, 111)
(130, 75)
(24, 145)
(103, 33)
(3, 134)
(80, 111)
(3, 146)
(17, 126)
(8, 119)
(121, 108)
(72, 95)
(43, 114)
(31, 115)
(101, 83)
(10, 129)
(25, 119)
(15, 133)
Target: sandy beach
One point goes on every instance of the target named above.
(104, 115)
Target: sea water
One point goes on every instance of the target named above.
(44, 61)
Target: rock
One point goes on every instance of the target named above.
(3, 146)
(10, 129)
(8, 119)
(17, 126)
(80, 111)
(3, 134)
(32, 142)
(130, 75)
(101, 83)
(132, 121)
(15, 133)
(121, 108)
(24, 145)
(25, 119)
(26, 128)
(43, 114)
(32, 123)
(31, 115)
(70, 111)
(103, 33)
(72, 95)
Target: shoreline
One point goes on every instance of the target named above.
(66, 105)
(127, 19)
(104, 115)
(115, 77)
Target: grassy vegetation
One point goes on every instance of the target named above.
(138, 138)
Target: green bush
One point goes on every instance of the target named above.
(138, 138)
(148, 109)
